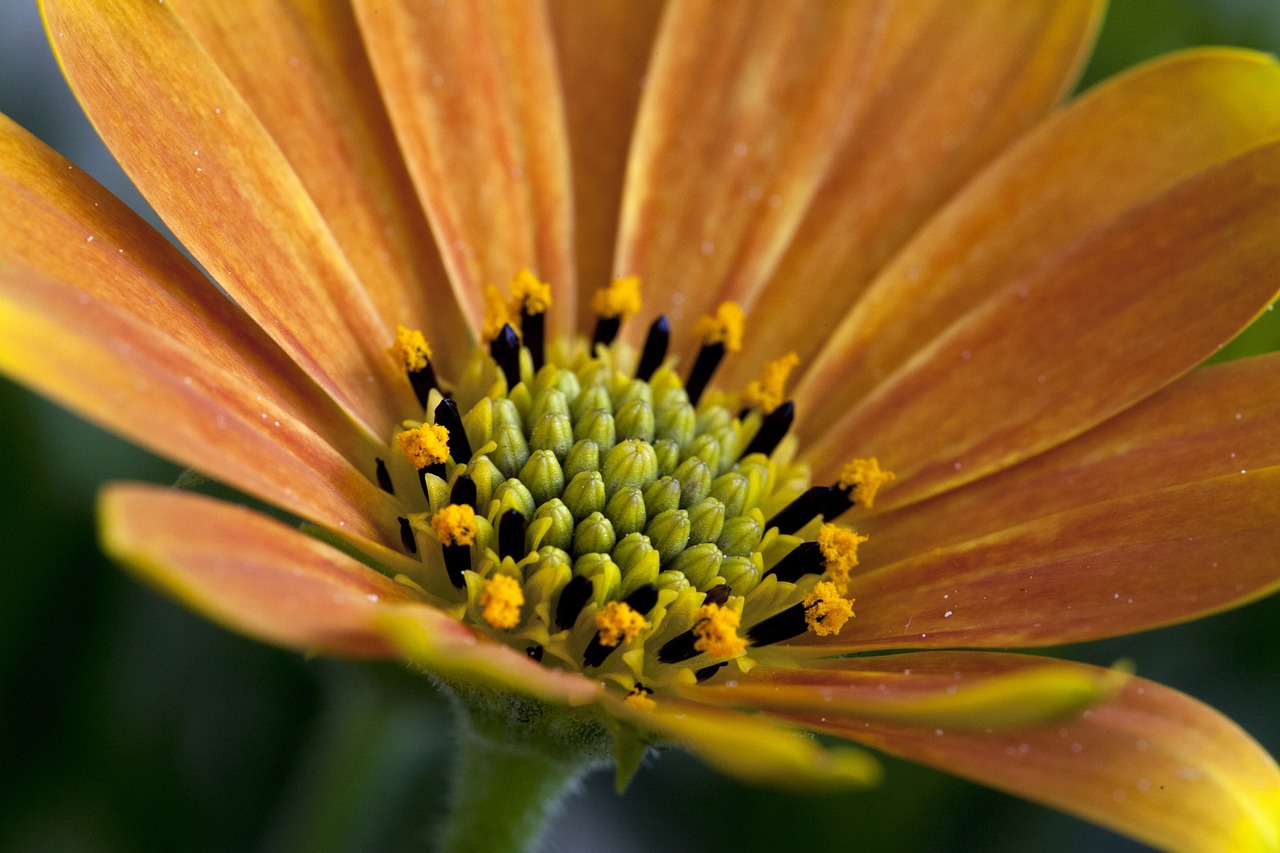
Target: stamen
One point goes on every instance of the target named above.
(531, 298)
(643, 599)
(455, 527)
(679, 648)
(412, 352)
(717, 631)
(766, 393)
(840, 552)
(511, 535)
(708, 671)
(505, 350)
(464, 491)
(826, 610)
(772, 430)
(640, 697)
(426, 447)
(534, 652)
(718, 594)
(448, 416)
(780, 626)
(573, 598)
(804, 559)
(655, 348)
(501, 599)
(384, 477)
(406, 535)
(613, 304)
(496, 313)
(864, 477)
(800, 511)
(720, 333)
(618, 623)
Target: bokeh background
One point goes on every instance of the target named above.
(126, 723)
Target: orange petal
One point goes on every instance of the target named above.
(131, 378)
(879, 688)
(1116, 147)
(1150, 762)
(750, 748)
(1088, 333)
(722, 170)
(303, 71)
(462, 655)
(211, 170)
(950, 86)
(1212, 422)
(1095, 571)
(66, 227)
(249, 572)
(474, 98)
(601, 91)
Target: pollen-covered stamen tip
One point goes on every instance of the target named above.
(720, 333)
(411, 351)
(426, 447)
(859, 482)
(824, 612)
(613, 304)
(530, 299)
(640, 697)
(715, 633)
(455, 527)
(616, 623)
(501, 600)
(840, 553)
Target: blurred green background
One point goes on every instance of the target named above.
(127, 723)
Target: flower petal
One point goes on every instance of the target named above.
(474, 98)
(601, 91)
(751, 748)
(129, 377)
(950, 85)
(415, 632)
(1213, 422)
(213, 173)
(881, 688)
(1117, 146)
(1150, 762)
(1086, 334)
(249, 572)
(66, 227)
(1099, 570)
(303, 70)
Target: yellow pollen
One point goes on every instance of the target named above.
(840, 551)
(766, 393)
(410, 349)
(865, 477)
(723, 327)
(641, 697)
(529, 294)
(826, 610)
(425, 445)
(496, 313)
(455, 524)
(620, 298)
(717, 631)
(618, 623)
(501, 599)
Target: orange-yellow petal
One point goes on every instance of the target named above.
(1086, 334)
(1149, 762)
(212, 171)
(472, 91)
(249, 572)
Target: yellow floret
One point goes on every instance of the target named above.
(865, 477)
(826, 610)
(618, 623)
(717, 631)
(641, 697)
(410, 349)
(496, 313)
(840, 552)
(455, 524)
(501, 599)
(425, 445)
(620, 298)
(723, 327)
(529, 294)
(766, 393)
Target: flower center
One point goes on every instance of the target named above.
(589, 506)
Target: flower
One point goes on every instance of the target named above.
(972, 310)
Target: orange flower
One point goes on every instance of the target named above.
(999, 303)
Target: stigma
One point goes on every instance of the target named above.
(602, 510)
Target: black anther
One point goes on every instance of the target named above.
(447, 416)
(655, 348)
(773, 428)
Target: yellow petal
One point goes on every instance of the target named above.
(248, 572)
(133, 379)
(1212, 422)
(751, 748)
(1118, 146)
(1095, 571)
(302, 69)
(474, 98)
(211, 170)
(1149, 762)
(1086, 334)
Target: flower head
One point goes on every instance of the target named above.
(1002, 345)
